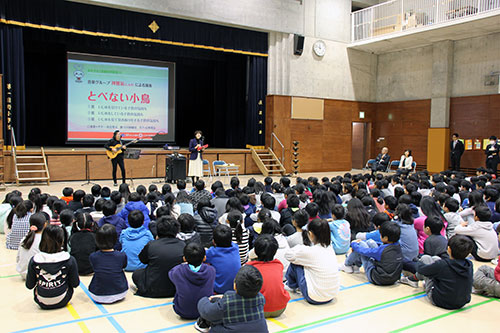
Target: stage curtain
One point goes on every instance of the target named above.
(256, 100)
(12, 67)
(72, 15)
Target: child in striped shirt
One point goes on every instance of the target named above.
(240, 233)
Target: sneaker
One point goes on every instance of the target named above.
(494, 262)
(115, 184)
(347, 269)
(356, 269)
(292, 290)
(409, 281)
(202, 325)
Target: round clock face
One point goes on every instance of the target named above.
(319, 48)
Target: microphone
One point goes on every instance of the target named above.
(202, 138)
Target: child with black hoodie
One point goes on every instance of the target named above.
(82, 242)
(160, 256)
(193, 280)
(52, 272)
(448, 281)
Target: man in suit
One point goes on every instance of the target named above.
(382, 161)
(456, 151)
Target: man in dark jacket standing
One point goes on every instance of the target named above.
(456, 151)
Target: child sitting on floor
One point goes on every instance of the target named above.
(313, 269)
(109, 284)
(272, 273)
(67, 194)
(30, 245)
(134, 239)
(481, 232)
(188, 234)
(160, 256)
(436, 244)
(110, 217)
(454, 219)
(82, 242)
(448, 281)
(224, 256)
(299, 220)
(52, 272)
(340, 230)
(487, 280)
(382, 263)
(239, 233)
(239, 310)
(193, 280)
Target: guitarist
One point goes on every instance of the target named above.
(118, 160)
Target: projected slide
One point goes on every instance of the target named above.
(131, 95)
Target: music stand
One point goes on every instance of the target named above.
(132, 154)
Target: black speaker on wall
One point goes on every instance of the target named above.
(298, 44)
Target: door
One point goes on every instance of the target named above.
(360, 144)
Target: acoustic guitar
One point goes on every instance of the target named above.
(119, 148)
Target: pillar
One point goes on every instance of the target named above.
(438, 135)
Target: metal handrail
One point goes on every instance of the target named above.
(282, 147)
(13, 148)
(422, 13)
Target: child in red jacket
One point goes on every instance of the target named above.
(271, 269)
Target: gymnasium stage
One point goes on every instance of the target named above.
(72, 164)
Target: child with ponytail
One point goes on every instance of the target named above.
(240, 233)
(82, 242)
(30, 244)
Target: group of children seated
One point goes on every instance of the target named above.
(230, 257)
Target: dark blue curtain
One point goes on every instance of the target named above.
(68, 14)
(12, 67)
(256, 100)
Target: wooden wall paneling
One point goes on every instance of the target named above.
(475, 117)
(160, 165)
(100, 167)
(66, 167)
(238, 159)
(251, 167)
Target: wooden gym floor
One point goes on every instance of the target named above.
(359, 306)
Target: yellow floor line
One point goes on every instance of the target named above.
(280, 324)
(75, 315)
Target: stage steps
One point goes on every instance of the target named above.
(268, 163)
(31, 166)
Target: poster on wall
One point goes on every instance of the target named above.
(468, 144)
(477, 144)
(486, 142)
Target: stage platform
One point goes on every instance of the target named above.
(72, 164)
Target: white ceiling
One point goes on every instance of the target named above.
(468, 27)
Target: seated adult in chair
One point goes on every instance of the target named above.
(405, 163)
(382, 161)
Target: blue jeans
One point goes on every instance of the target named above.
(356, 259)
(296, 279)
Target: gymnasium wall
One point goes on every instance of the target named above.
(407, 75)
(475, 117)
(325, 145)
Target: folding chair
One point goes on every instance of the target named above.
(368, 163)
(394, 163)
(207, 171)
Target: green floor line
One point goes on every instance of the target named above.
(350, 313)
(8, 276)
(423, 322)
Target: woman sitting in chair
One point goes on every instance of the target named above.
(406, 163)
